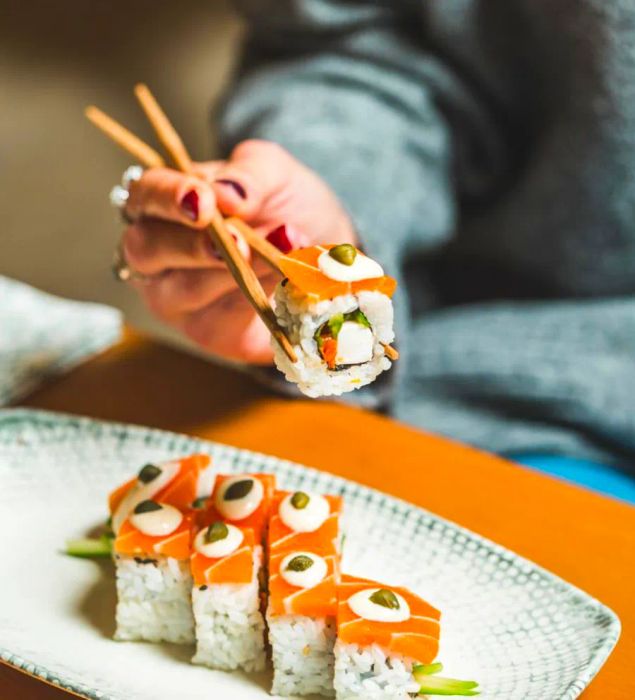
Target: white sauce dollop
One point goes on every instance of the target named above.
(239, 508)
(361, 604)
(363, 268)
(307, 519)
(157, 523)
(143, 492)
(354, 344)
(309, 577)
(220, 548)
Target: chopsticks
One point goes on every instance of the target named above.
(245, 277)
(243, 274)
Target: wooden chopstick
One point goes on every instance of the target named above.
(125, 139)
(245, 277)
(148, 157)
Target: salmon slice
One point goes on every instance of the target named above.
(237, 567)
(180, 492)
(257, 521)
(132, 542)
(301, 268)
(416, 638)
(323, 541)
(318, 601)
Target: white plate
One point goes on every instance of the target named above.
(517, 629)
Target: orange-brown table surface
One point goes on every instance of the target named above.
(585, 538)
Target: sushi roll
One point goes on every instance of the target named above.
(387, 641)
(303, 544)
(152, 553)
(179, 483)
(226, 565)
(335, 305)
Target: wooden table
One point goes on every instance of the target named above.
(585, 538)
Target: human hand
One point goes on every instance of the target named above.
(185, 283)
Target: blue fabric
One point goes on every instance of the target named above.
(598, 477)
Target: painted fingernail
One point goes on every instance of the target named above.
(281, 238)
(189, 204)
(236, 186)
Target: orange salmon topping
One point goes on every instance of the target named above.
(237, 567)
(323, 541)
(416, 638)
(176, 545)
(301, 267)
(180, 492)
(257, 521)
(318, 601)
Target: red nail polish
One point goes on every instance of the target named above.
(281, 239)
(189, 204)
(236, 186)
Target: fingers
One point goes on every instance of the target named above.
(178, 292)
(255, 172)
(162, 193)
(153, 246)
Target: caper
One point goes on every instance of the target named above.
(344, 253)
(147, 507)
(239, 489)
(199, 503)
(149, 473)
(215, 532)
(386, 598)
(300, 563)
(300, 500)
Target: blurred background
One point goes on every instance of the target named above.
(58, 231)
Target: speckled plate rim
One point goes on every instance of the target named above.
(35, 417)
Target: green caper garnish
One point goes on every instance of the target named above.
(300, 500)
(239, 489)
(344, 253)
(149, 473)
(216, 531)
(386, 598)
(199, 503)
(147, 507)
(300, 563)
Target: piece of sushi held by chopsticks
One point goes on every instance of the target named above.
(303, 544)
(335, 305)
(387, 641)
(226, 564)
(152, 557)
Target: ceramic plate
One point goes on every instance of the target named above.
(517, 629)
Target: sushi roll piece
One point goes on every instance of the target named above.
(152, 558)
(226, 565)
(179, 482)
(335, 305)
(387, 641)
(303, 544)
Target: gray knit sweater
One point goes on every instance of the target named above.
(486, 152)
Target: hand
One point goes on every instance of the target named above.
(187, 285)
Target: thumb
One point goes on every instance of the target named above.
(254, 173)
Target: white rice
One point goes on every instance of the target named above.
(368, 673)
(154, 600)
(301, 319)
(230, 629)
(302, 652)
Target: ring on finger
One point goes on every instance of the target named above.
(120, 194)
(122, 270)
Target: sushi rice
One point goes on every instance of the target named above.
(230, 628)
(301, 318)
(154, 600)
(302, 651)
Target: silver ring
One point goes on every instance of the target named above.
(120, 194)
(122, 271)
